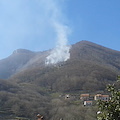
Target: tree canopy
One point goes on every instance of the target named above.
(110, 110)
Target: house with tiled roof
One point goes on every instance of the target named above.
(101, 97)
(88, 103)
(105, 97)
(84, 97)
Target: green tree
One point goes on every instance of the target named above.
(110, 110)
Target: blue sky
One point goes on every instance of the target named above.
(28, 24)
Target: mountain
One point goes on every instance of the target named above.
(89, 65)
(19, 60)
(22, 59)
(14, 62)
(28, 86)
(85, 50)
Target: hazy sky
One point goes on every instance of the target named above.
(29, 24)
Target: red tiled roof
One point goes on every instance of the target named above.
(84, 95)
(105, 95)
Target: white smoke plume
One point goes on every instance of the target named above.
(61, 52)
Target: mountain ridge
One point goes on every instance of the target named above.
(88, 62)
(22, 59)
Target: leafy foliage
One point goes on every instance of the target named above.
(110, 110)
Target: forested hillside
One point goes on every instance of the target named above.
(36, 88)
(89, 68)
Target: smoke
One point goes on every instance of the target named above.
(28, 23)
(61, 52)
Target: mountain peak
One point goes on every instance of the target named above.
(86, 42)
(22, 51)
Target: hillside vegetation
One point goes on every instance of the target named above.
(36, 88)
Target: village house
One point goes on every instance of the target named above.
(98, 97)
(105, 97)
(84, 97)
(87, 103)
(88, 99)
(101, 97)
